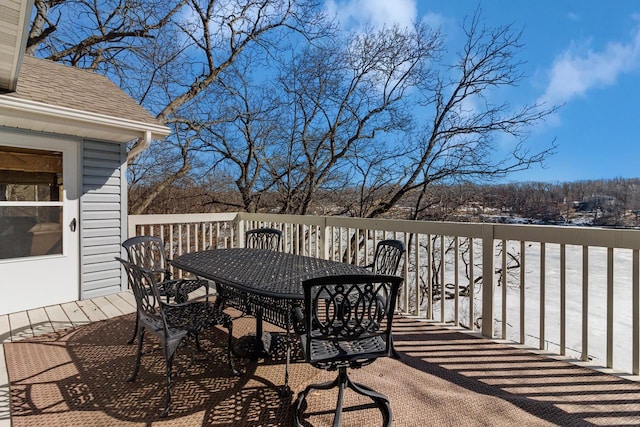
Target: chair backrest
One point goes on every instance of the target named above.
(263, 238)
(357, 309)
(387, 257)
(148, 252)
(145, 289)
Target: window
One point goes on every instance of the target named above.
(31, 194)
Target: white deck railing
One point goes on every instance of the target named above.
(573, 291)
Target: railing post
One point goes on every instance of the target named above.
(240, 227)
(324, 241)
(488, 255)
(131, 227)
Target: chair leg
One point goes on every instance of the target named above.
(342, 384)
(197, 340)
(228, 324)
(343, 381)
(302, 396)
(135, 329)
(170, 349)
(136, 367)
(394, 352)
(168, 368)
(380, 399)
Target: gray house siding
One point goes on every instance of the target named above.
(101, 226)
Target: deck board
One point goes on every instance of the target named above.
(75, 314)
(59, 319)
(92, 311)
(20, 326)
(121, 304)
(106, 307)
(40, 323)
(129, 298)
(5, 329)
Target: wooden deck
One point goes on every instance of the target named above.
(439, 364)
(39, 321)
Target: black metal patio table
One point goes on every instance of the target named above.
(264, 283)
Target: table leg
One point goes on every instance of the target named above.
(255, 347)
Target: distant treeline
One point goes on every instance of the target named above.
(610, 202)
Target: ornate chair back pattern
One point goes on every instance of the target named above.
(263, 238)
(148, 252)
(147, 295)
(387, 257)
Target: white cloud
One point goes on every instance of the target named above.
(578, 69)
(377, 13)
(573, 16)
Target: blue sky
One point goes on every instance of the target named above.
(584, 54)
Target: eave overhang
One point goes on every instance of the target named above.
(37, 116)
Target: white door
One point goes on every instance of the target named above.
(39, 244)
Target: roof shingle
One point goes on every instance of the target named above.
(56, 84)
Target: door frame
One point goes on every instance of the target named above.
(48, 279)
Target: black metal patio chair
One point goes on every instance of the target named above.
(149, 253)
(263, 238)
(171, 323)
(387, 257)
(386, 261)
(346, 323)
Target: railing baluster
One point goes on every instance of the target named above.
(635, 357)
(543, 283)
(442, 277)
(471, 282)
(609, 307)
(523, 271)
(504, 289)
(429, 278)
(456, 281)
(405, 274)
(416, 279)
(585, 303)
(563, 300)
(488, 285)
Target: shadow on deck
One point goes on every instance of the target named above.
(444, 377)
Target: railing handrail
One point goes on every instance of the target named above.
(557, 234)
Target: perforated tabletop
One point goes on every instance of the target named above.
(260, 271)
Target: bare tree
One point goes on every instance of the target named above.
(342, 100)
(463, 124)
(267, 96)
(168, 55)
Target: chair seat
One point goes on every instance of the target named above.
(194, 316)
(156, 327)
(355, 353)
